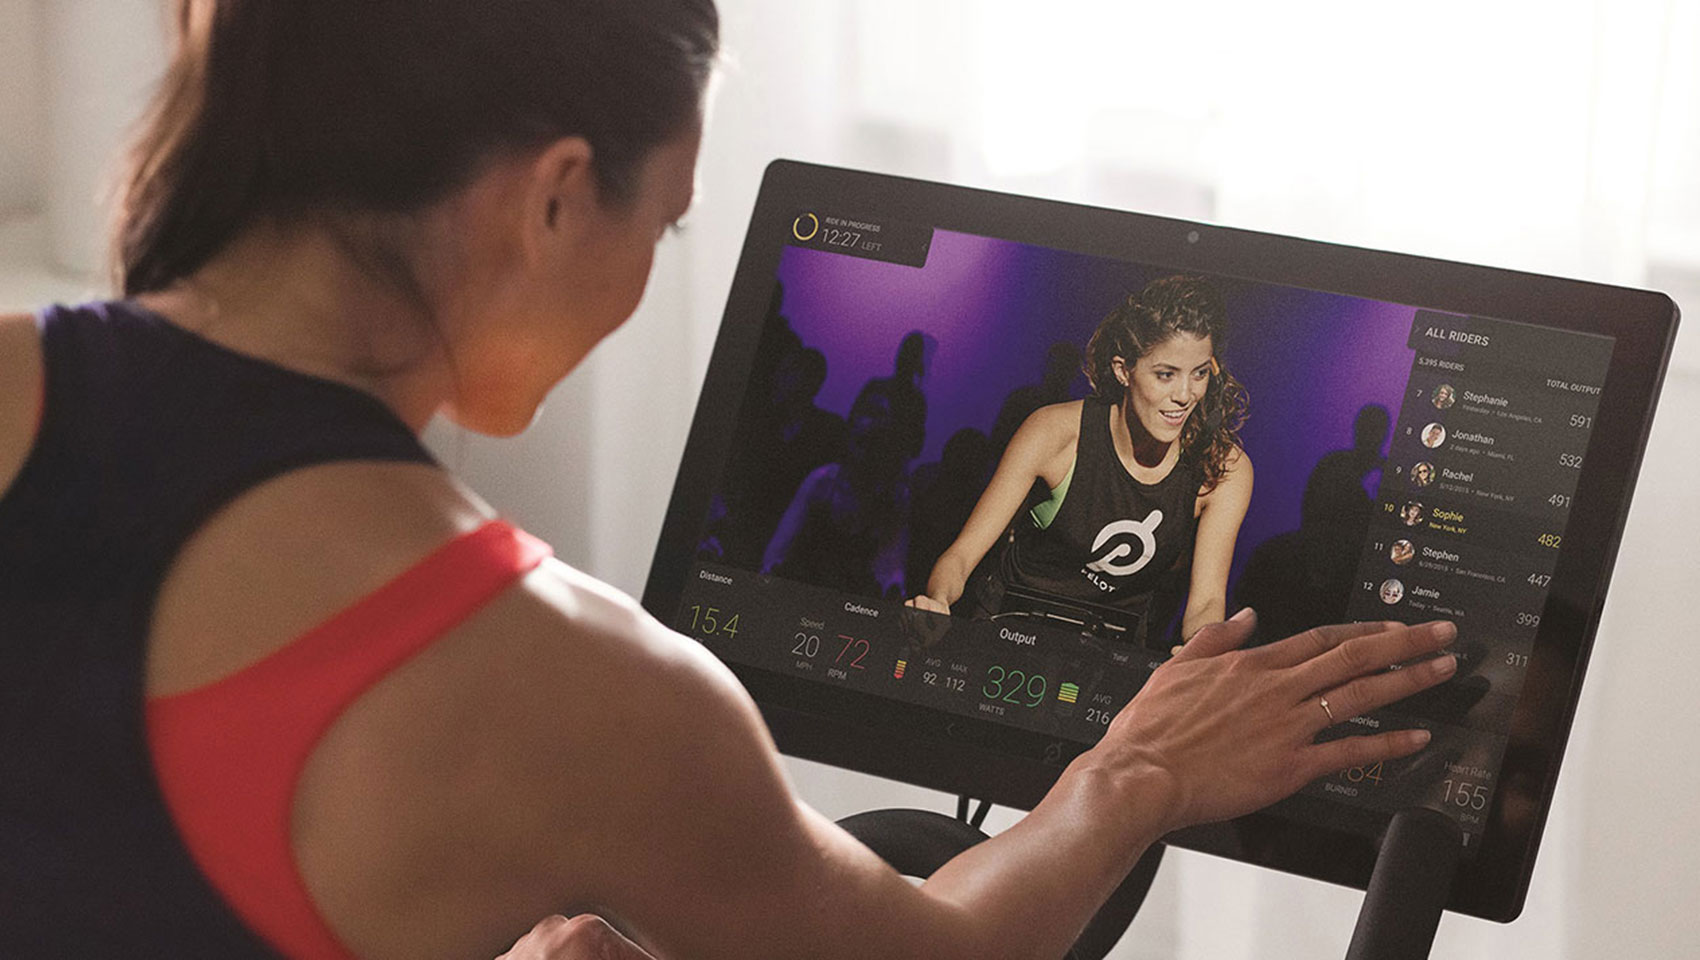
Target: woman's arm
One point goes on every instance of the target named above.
(734, 864)
(561, 751)
(21, 380)
(1219, 521)
(1041, 440)
(668, 811)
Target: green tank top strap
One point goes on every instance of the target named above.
(1046, 511)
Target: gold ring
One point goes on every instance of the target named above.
(1324, 702)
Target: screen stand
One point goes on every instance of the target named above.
(918, 842)
(1409, 888)
(1401, 912)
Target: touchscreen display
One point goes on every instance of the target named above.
(1316, 456)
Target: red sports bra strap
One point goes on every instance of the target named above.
(228, 755)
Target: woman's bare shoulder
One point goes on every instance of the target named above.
(1053, 425)
(1237, 462)
(1047, 438)
(1236, 481)
(1054, 416)
(531, 757)
(1238, 465)
(20, 392)
(292, 552)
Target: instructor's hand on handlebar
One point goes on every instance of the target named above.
(1234, 730)
(924, 602)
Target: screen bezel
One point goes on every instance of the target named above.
(917, 745)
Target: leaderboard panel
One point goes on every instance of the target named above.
(1487, 451)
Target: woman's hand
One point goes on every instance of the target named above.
(584, 937)
(1234, 730)
(925, 602)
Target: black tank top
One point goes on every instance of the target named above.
(146, 430)
(1114, 539)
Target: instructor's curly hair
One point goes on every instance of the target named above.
(1166, 307)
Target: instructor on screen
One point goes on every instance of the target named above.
(1146, 476)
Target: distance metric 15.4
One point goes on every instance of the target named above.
(714, 622)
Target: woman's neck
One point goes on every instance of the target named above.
(299, 300)
(1133, 442)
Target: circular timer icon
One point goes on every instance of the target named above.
(797, 229)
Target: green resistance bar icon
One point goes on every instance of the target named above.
(1068, 693)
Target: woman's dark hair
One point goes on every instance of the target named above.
(289, 108)
(1166, 307)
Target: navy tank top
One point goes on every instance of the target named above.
(1114, 540)
(147, 430)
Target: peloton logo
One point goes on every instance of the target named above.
(1119, 536)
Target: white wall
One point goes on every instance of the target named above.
(74, 75)
(1621, 871)
(93, 103)
(1637, 870)
(21, 106)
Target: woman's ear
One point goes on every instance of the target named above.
(1121, 369)
(561, 192)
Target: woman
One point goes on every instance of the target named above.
(275, 683)
(1147, 479)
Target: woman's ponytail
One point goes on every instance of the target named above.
(199, 164)
(281, 108)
